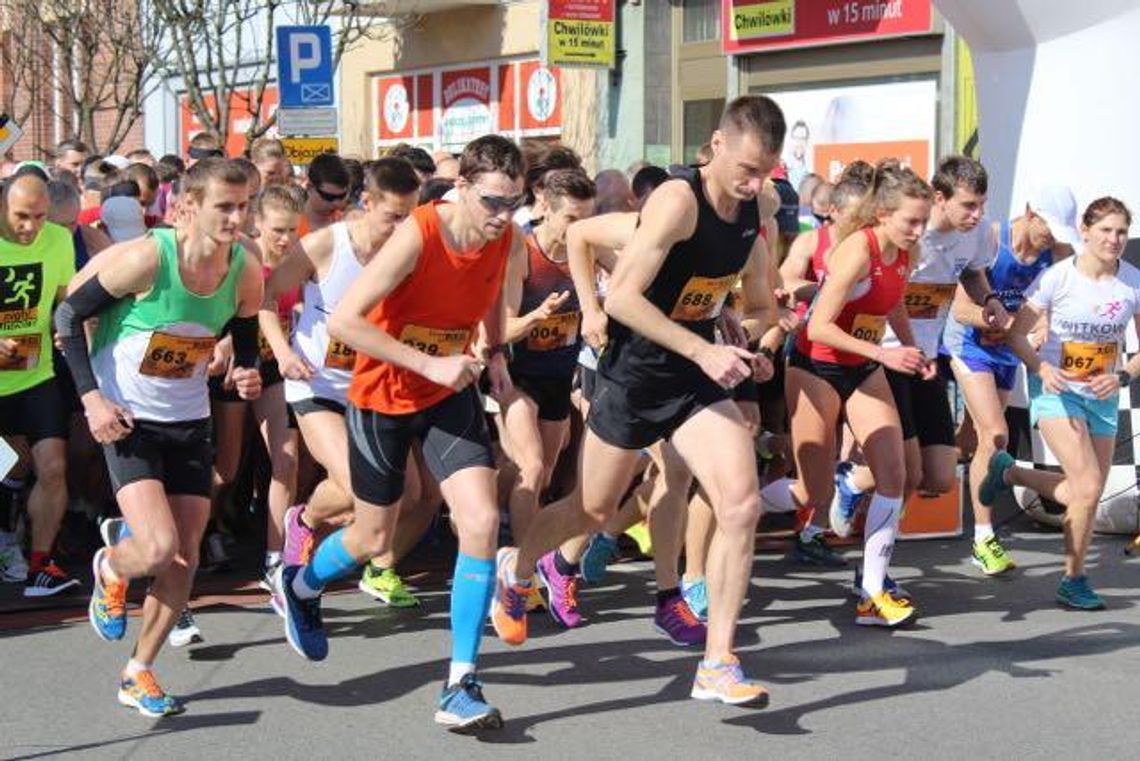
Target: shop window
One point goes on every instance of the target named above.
(701, 20)
(700, 121)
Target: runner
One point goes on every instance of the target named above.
(161, 303)
(662, 376)
(1075, 380)
(272, 162)
(542, 326)
(327, 183)
(37, 259)
(985, 367)
(413, 316)
(956, 248)
(318, 367)
(836, 370)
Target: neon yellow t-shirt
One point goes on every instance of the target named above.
(30, 276)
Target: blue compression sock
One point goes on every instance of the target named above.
(471, 591)
(330, 562)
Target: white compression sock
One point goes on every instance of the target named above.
(134, 667)
(457, 671)
(879, 540)
(777, 496)
(982, 532)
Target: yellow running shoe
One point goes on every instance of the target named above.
(639, 532)
(725, 682)
(884, 610)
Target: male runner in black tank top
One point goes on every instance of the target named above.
(662, 376)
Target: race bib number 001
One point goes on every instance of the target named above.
(869, 327)
(435, 342)
(1082, 360)
(339, 356)
(27, 356)
(175, 357)
(555, 332)
(702, 298)
(924, 301)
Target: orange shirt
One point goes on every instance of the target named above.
(436, 310)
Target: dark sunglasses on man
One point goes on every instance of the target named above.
(331, 197)
(499, 204)
(205, 153)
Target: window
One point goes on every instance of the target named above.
(701, 118)
(701, 20)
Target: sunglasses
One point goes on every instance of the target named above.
(331, 197)
(499, 204)
(205, 153)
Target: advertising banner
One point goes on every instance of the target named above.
(465, 106)
(580, 33)
(239, 118)
(829, 127)
(757, 25)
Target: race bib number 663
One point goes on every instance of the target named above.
(175, 357)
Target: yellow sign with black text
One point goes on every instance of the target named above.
(581, 33)
(302, 150)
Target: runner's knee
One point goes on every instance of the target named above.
(739, 513)
(158, 550)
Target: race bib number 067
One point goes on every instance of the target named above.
(1082, 360)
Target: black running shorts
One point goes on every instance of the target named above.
(180, 455)
(635, 418)
(552, 395)
(36, 413)
(924, 408)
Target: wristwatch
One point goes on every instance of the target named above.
(1124, 377)
(504, 349)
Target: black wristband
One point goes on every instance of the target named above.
(765, 351)
(992, 295)
(88, 300)
(244, 332)
(1123, 377)
(504, 349)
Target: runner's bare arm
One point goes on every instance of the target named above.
(291, 272)
(756, 287)
(502, 325)
(590, 243)
(795, 266)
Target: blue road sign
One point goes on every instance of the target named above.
(304, 66)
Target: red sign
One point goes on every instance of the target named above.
(466, 106)
(582, 10)
(541, 94)
(425, 105)
(756, 25)
(395, 106)
(239, 120)
(508, 97)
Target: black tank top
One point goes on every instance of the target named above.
(690, 288)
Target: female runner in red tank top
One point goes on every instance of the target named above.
(836, 369)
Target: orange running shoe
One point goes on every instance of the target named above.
(508, 607)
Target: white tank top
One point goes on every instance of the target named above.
(331, 360)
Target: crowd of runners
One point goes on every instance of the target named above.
(499, 334)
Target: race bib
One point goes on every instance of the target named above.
(27, 355)
(869, 327)
(1081, 360)
(924, 301)
(263, 346)
(435, 342)
(702, 298)
(175, 357)
(340, 356)
(555, 332)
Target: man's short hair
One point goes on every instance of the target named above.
(759, 115)
(143, 175)
(267, 148)
(647, 179)
(70, 145)
(569, 183)
(391, 175)
(329, 168)
(170, 167)
(960, 171)
(417, 157)
(213, 169)
(490, 153)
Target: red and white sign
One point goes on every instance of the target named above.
(541, 90)
(239, 119)
(396, 113)
(466, 106)
(757, 25)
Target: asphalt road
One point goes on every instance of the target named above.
(992, 670)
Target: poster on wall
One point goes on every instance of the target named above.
(239, 118)
(829, 127)
(465, 106)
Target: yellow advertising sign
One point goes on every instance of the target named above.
(771, 18)
(581, 33)
(302, 150)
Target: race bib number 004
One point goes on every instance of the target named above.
(435, 342)
(1082, 360)
(869, 327)
(175, 357)
(555, 332)
(924, 301)
(27, 356)
(702, 298)
(339, 356)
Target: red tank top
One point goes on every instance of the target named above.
(865, 315)
(817, 269)
(436, 310)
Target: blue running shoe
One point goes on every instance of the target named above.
(107, 611)
(303, 626)
(1075, 592)
(142, 692)
(890, 586)
(845, 501)
(600, 552)
(696, 594)
(462, 707)
(994, 482)
(113, 531)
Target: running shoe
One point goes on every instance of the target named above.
(304, 628)
(1075, 592)
(600, 552)
(299, 539)
(48, 580)
(639, 532)
(561, 590)
(267, 574)
(696, 594)
(534, 600)
(185, 631)
(108, 609)
(142, 692)
(387, 587)
(462, 707)
(113, 531)
(816, 552)
(676, 621)
(994, 482)
(890, 586)
(845, 502)
(508, 606)
(991, 557)
(725, 682)
(13, 566)
(883, 609)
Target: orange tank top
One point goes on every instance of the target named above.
(435, 310)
